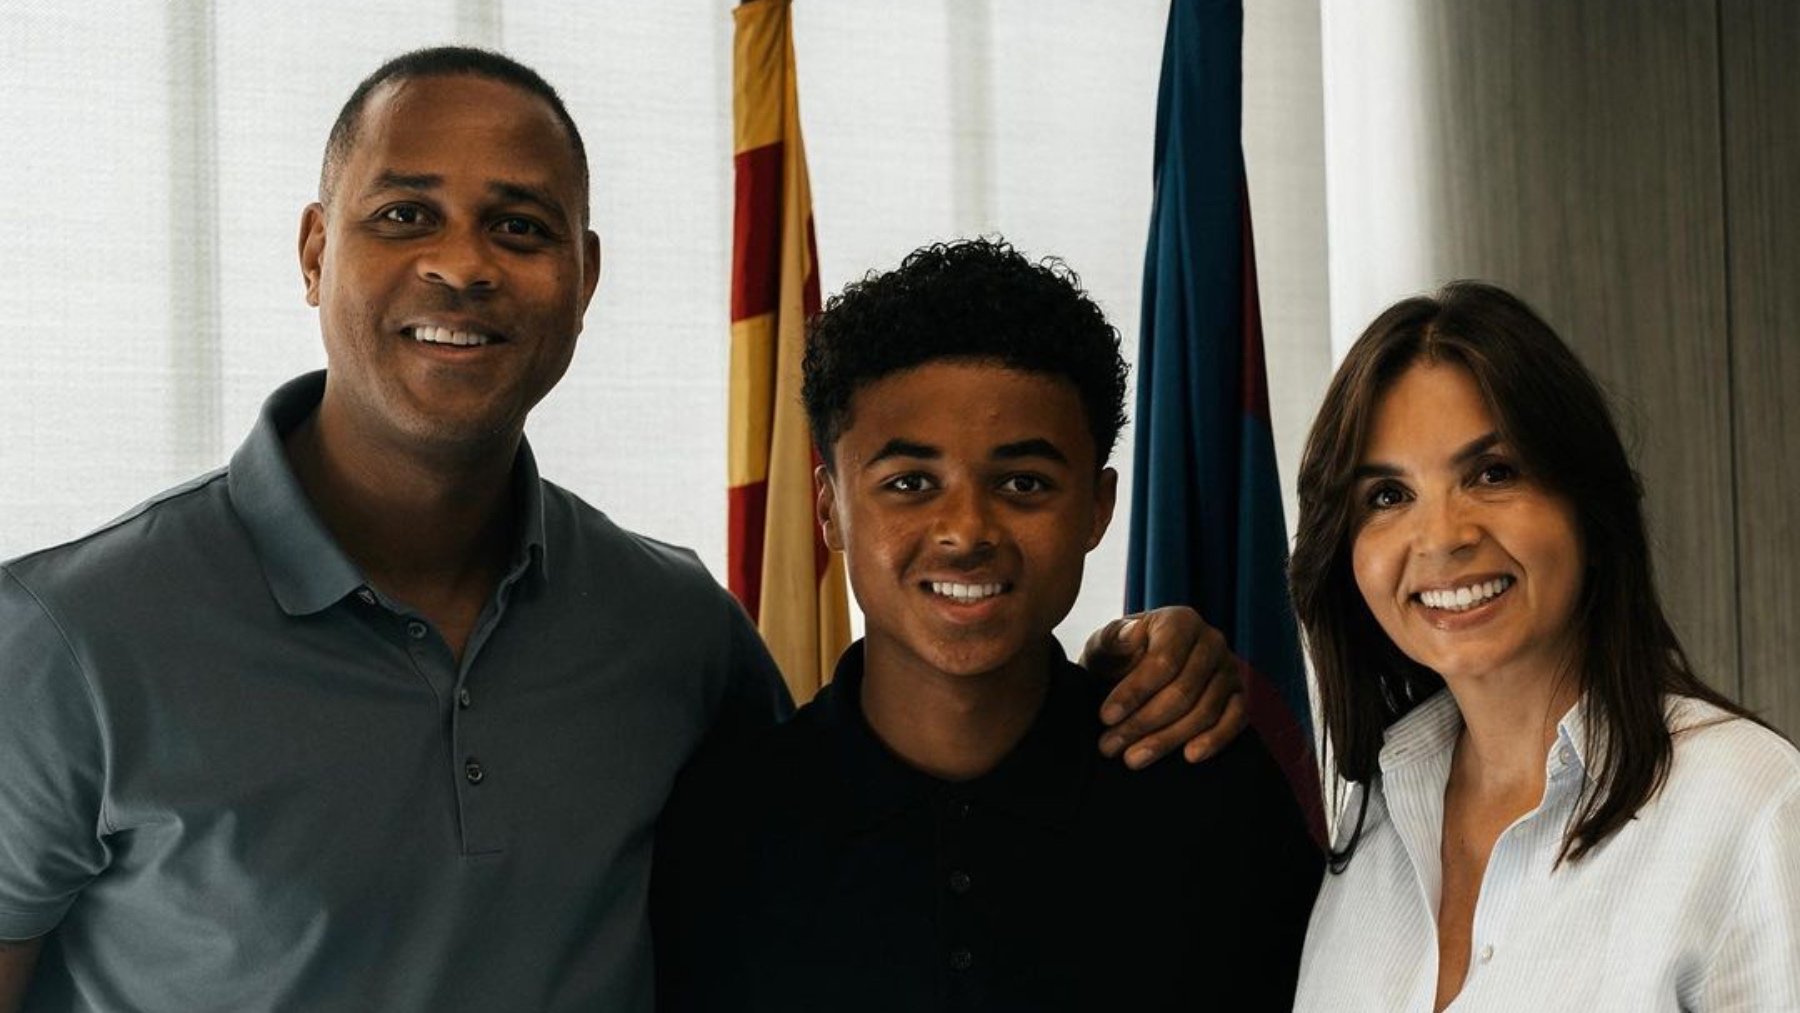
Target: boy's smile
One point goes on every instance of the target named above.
(965, 499)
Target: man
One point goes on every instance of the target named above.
(374, 718)
(934, 831)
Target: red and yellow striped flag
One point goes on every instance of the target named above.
(789, 582)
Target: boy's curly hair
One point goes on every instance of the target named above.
(976, 299)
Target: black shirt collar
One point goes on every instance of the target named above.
(1042, 779)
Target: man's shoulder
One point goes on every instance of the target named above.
(176, 526)
(590, 537)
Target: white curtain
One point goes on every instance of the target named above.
(157, 158)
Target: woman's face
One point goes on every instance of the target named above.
(1470, 565)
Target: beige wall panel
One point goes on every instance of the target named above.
(1760, 41)
(1580, 166)
(1284, 156)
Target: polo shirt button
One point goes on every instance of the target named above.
(472, 770)
(367, 596)
(415, 630)
(463, 699)
(960, 882)
(962, 810)
(961, 959)
(1487, 953)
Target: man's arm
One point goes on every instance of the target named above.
(17, 960)
(1178, 686)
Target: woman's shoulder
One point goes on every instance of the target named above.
(1730, 761)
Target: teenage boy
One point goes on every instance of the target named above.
(935, 830)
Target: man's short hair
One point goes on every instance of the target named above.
(972, 300)
(443, 61)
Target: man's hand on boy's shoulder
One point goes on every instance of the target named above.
(1177, 686)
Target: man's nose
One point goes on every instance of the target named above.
(462, 259)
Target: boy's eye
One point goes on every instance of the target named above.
(1024, 484)
(909, 482)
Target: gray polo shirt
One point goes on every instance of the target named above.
(233, 776)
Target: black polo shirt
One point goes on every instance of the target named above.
(808, 868)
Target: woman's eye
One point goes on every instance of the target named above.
(1497, 473)
(1384, 497)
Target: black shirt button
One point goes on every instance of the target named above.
(463, 699)
(415, 630)
(962, 809)
(472, 770)
(961, 959)
(367, 596)
(960, 882)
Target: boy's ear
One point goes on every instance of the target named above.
(1106, 496)
(825, 508)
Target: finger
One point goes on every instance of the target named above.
(1168, 639)
(1200, 715)
(1136, 706)
(1232, 722)
(1112, 648)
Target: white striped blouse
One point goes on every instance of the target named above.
(1693, 905)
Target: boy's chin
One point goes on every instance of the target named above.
(988, 656)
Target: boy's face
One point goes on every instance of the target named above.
(965, 499)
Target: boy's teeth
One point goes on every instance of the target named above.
(1463, 598)
(446, 336)
(965, 592)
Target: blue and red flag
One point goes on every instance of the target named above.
(1206, 518)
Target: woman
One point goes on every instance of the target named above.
(1546, 808)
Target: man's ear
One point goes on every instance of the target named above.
(312, 249)
(1106, 496)
(590, 267)
(825, 508)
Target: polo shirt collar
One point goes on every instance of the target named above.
(306, 570)
(1042, 779)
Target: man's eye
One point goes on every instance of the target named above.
(518, 226)
(402, 214)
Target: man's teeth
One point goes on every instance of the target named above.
(1464, 598)
(966, 592)
(446, 336)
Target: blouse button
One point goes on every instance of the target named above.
(1487, 953)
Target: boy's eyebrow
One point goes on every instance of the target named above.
(903, 448)
(1466, 453)
(1037, 447)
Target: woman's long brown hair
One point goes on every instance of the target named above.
(1554, 415)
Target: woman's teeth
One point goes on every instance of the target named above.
(1464, 598)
